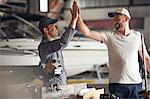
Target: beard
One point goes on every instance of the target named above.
(52, 35)
(53, 32)
(117, 26)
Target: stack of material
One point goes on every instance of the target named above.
(90, 93)
(64, 92)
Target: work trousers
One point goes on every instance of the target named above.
(125, 91)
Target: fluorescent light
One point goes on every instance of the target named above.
(44, 5)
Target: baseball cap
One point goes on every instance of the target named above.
(45, 22)
(123, 11)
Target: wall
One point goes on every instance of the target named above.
(101, 13)
(147, 32)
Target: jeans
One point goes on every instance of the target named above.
(125, 91)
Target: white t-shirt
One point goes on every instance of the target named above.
(123, 57)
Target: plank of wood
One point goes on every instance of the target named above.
(93, 94)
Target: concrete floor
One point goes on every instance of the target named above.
(14, 86)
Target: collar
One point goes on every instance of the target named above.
(44, 39)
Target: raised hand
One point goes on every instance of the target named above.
(74, 11)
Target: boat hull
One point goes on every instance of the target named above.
(79, 56)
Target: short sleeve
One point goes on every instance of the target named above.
(106, 36)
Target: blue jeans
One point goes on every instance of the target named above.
(126, 91)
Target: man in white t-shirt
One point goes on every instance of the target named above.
(123, 45)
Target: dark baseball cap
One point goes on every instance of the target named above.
(44, 22)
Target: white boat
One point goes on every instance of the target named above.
(19, 49)
(79, 56)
